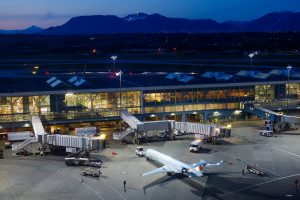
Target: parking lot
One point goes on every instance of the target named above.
(36, 177)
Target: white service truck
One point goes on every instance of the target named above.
(196, 145)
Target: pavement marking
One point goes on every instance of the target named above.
(113, 189)
(289, 195)
(259, 184)
(250, 164)
(95, 192)
(286, 152)
(10, 190)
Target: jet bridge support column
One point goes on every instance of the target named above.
(137, 141)
(171, 131)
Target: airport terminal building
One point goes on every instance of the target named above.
(90, 97)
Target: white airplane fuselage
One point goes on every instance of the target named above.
(165, 160)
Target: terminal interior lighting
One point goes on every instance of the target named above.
(152, 115)
(236, 112)
(26, 125)
(172, 114)
(69, 93)
(216, 113)
(102, 137)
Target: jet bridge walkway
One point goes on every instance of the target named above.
(270, 115)
(38, 130)
(68, 141)
(26, 144)
(138, 127)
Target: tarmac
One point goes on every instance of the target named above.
(47, 178)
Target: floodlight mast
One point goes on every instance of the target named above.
(114, 58)
(288, 88)
(251, 55)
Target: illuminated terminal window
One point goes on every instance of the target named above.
(264, 93)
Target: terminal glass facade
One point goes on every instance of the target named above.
(107, 104)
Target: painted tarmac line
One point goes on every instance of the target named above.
(293, 154)
(118, 193)
(259, 184)
(250, 164)
(10, 190)
(91, 189)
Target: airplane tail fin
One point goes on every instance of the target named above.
(214, 164)
(204, 164)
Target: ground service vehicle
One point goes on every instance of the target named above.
(254, 170)
(73, 161)
(139, 151)
(196, 145)
(266, 133)
(91, 172)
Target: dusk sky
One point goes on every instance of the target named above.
(19, 14)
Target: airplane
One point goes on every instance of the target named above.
(174, 166)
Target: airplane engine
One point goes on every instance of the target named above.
(184, 170)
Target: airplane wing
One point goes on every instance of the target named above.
(163, 169)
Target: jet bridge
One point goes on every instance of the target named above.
(56, 140)
(263, 113)
(270, 115)
(208, 130)
(39, 132)
(138, 127)
(169, 126)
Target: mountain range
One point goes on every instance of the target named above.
(29, 30)
(156, 23)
